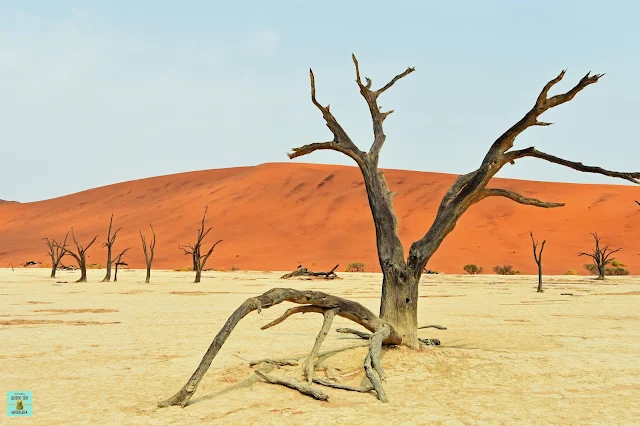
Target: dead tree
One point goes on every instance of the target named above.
(601, 256)
(80, 256)
(194, 249)
(398, 310)
(119, 262)
(538, 258)
(148, 253)
(55, 253)
(109, 244)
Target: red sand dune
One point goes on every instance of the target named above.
(279, 215)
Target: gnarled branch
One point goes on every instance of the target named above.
(532, 152)
(348, 309)
(495, 192)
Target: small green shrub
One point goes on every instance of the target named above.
(355, 267)
(505, 270)
(571, 272)
(472, 269)
(617, 264)
(313, 263)
(616, 271)
(235, 268)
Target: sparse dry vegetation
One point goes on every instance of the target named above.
(472, 269)
(355, 267)
(505, 270)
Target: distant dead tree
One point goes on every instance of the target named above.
(601, 256)
(637, 202)
(109, 244)
(80, 256)
(55, 253)
(397, 323)
(148, 253)
(194, 249)
(538, 258)
(119, 262)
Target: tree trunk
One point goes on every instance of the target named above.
(148, 273)
(115, 275)
(198, 273)
(195, 263)
(107, 277)
(54, 268)
(83, 270)
(540, 277)
(600, 272)
(399, 306)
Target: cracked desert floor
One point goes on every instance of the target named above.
(106, 353)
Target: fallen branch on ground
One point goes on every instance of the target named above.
(304, 272)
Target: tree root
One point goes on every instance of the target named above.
(430, 342)
(363, 389)
(301, 387)
(439, 327)
(329, 314)
(353, 311)
(360, 334)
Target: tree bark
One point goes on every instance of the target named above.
(107, 277)
(539, 277)
(198, 274)
(399, 305)
(82, 264)
(54, 269)
(149, 252)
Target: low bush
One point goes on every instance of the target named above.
(235, 268)
(472, 269)
(505, 270)
(571, 272)
(616, 270)
(355, 267)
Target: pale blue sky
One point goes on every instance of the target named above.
(94, 93)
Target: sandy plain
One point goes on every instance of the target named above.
(106, 353)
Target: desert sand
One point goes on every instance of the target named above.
(279, 215)
(106, 353)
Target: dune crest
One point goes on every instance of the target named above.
(276, 216)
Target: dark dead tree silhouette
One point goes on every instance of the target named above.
(111, 239)
(119, 262)
(601, 256)
(538, 258)
(80, 256)
(397, 323)
(148, 252)
(194, 249)
(55, 253)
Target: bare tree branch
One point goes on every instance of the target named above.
(495, 192)
(341, 141)
(377, 116)
(532, 152)
(543, 103)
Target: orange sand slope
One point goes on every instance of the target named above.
(278, 215)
